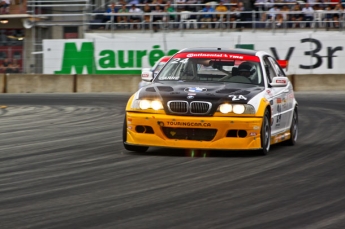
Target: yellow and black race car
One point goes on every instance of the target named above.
(214, 99)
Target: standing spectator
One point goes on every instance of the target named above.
(296, 16)
(328, 17)
(270, 16)
(273, 12)
(15, 67)
(308, 13)
(169, 10)
(6, 63)
(191, 6)
(4, 6)
(135, 18)
(181, 5)
(207, 17)
(157, 19)
(122, 19)
(233, 16)
(222, 9)
(111, 10)
(147, 18)
(318, 15)
(283, 16)
(240, 13)
(338, 14)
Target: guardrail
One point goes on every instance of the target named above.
(185, 20)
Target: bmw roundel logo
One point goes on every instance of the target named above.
(195, 89)
(190, 97)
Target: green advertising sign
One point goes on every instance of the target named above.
(106, 61)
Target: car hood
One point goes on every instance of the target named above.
(214, 93)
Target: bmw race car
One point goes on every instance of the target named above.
(147, 74)
(214, 99)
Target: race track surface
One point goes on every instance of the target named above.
(62, 165)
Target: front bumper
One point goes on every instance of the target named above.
(223, 133)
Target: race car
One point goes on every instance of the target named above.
(214, 99)
(147, 74)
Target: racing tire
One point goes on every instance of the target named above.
(141, 149)
(293, 129)
(265, 137)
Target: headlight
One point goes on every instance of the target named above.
(225, 108)
(239, 109)
(156, 105)
(147, 104)
(144, 104)
(236, 108)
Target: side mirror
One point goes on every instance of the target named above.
(146, 74)
(279, 81)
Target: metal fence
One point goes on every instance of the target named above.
(164, 22)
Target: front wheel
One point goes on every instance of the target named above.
(293, 129)
(141, 149)
(266, 134)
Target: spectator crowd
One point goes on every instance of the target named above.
(4, 6)
(8, 66)
(226, 13)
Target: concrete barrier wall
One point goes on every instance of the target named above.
(2, 83)
(320, 82)
(35, 83)
(107, 83)
(26, 83)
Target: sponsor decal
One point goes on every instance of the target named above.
(191, 124)
(195, 89)
(190, 55)
(237, 97)
(145, 75)
(252, 134)
(82, 57)
(217, 55)
(279, 100)
(256, 127)
(281, 81)
(170, 77)
(96, 56)
(190, 97)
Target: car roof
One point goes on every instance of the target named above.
(165, 59)
(222, 50)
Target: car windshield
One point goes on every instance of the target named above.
(212, 70)
(159, 66)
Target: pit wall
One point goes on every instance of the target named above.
(43, 83)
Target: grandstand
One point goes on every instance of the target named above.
(28, 22)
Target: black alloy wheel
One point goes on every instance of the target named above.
(293, 129)
(266, 134)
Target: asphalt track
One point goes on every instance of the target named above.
(62, 165)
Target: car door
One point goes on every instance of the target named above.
(287, 98)
(277, 97)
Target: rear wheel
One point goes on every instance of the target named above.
(266, 134)
(141, 149)
(293, 129)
